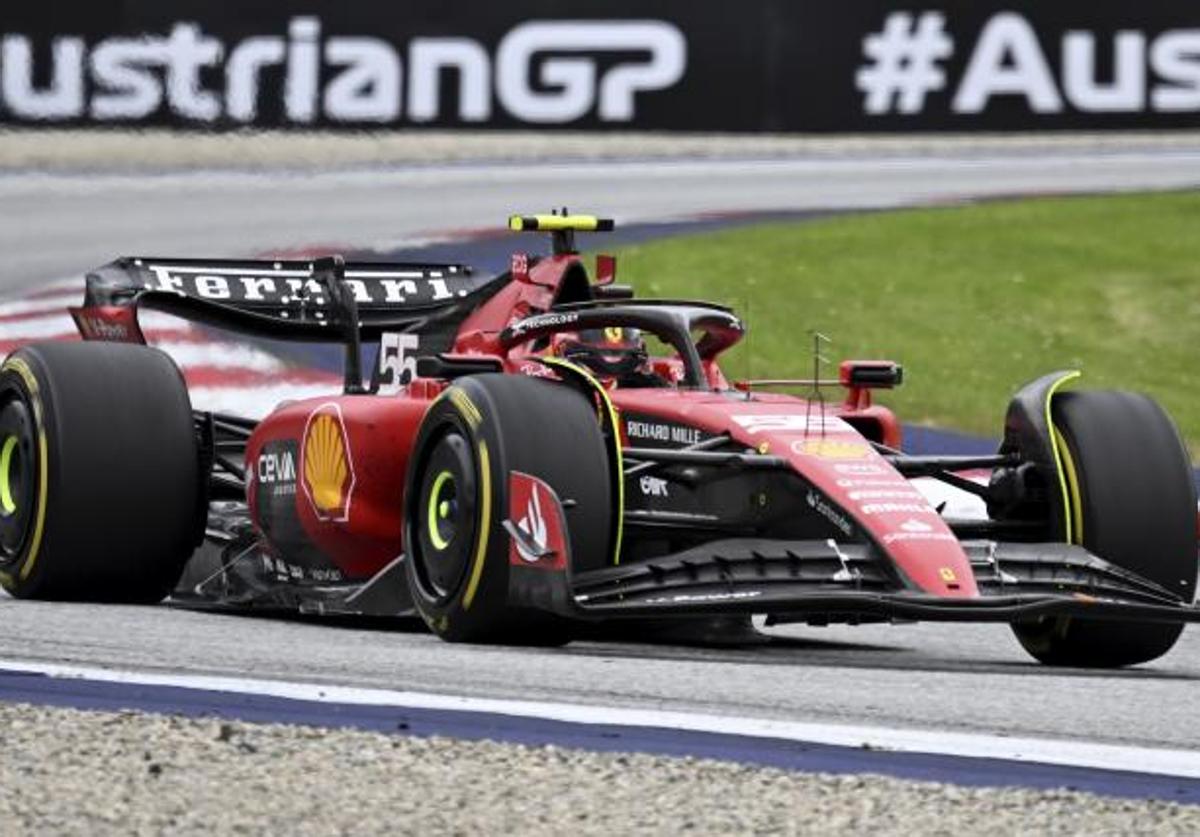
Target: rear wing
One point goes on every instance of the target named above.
(284, 300)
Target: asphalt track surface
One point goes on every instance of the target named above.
(955, 678)
(56, 225)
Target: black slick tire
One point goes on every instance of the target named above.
(1134, 504)
(100, 497)
(456, 499)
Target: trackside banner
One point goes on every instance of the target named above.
(704, 65)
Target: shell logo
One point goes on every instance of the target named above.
(326, 464)
(832, 448)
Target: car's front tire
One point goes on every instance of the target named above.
(456, 501)
(1132, 500)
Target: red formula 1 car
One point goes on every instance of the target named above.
(540, 449)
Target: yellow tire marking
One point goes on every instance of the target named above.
(485, 523)
(466, 406)
(431, 517)
(7, 504)
(1072, 478)
(18, 365)
(1058, 457)
(616, 438)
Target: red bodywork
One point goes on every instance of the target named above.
(828, 445)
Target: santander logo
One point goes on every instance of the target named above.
(533, 526)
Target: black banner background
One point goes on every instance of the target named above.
(760, 65)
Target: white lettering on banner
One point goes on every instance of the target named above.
(428, 57)
(906, 59)
(572, 81)
(62, 98)
(1007, 60)
(543, 72)
(303, 69)
(1175, 56)
(242, 75)
(368, 90)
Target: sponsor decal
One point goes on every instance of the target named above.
(535, 370)
(285, 571)
(264, 285)
(947, 575)
(922, 537)
(397, 361)
(829, 512)
(327, 465)
(914, 525)
(1010, 63)
(518, 266)
(886, 494)
(541, 72)
(96, 328)
(541, 321)
(858, 469)
(799, 423)
(275, 468)
(684, 598)
(661, 431)
(653, 486)
(892, 508)
(895, 481)
(833, 448)
(535, 524)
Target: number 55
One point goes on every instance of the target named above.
(397, 361)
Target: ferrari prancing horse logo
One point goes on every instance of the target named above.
(326, 464)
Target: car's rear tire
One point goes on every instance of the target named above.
(99, 473)
(1133, 498)
(456, 500)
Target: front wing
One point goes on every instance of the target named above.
(823, 581)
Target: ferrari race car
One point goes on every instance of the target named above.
(539, 449)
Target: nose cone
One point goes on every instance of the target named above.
(851, 479)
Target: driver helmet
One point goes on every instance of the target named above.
(612, 352)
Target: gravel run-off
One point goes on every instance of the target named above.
(92, 773)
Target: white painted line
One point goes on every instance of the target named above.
(1165, 762)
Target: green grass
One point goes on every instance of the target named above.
(973, 300)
